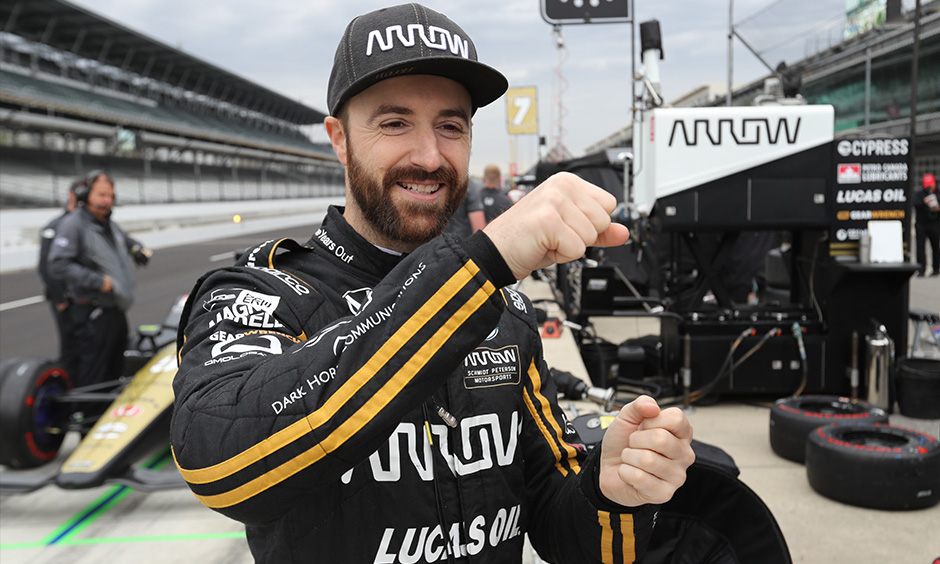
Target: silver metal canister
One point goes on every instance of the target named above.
(879, 354)
(864, 248)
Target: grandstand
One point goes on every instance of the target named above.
(81, 92)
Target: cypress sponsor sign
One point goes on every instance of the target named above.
(871, 184)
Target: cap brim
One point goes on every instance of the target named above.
(484, 83)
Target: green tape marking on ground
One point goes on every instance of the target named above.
(101, 505)
(65, 535)
(82, 520)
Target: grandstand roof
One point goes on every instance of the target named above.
(73, 29)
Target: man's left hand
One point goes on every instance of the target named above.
(141, 255)
(645, 453)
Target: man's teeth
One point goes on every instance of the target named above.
(421, 188)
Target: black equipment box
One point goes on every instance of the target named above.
(774, 367)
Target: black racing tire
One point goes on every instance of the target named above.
(793, 419)
(32, 423)
(874, 465)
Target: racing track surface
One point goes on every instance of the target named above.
(113, 523)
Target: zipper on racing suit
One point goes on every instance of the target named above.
(441, 519)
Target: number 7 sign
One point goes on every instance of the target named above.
(522, 114)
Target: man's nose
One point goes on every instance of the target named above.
(427, 151)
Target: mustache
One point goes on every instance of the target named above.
(445, 175)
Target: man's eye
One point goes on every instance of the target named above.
(395, 124)
(452, 128)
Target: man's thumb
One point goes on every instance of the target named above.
(643, 407)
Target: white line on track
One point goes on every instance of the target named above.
(22, 303)
(222, 256)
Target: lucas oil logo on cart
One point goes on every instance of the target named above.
(492, 367)
(875, 196)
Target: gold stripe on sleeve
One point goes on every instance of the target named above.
(301, 427)
(607, 537)
(543, 417)
(355, 423)
(629, 541)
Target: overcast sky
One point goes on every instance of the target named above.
(288, 46)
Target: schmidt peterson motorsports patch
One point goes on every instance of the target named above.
(492, 367)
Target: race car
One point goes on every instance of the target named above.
(120, 420)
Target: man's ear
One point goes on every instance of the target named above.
(334, 128)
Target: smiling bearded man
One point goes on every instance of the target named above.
(397, 223)
(408, 414)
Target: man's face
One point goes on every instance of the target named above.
(101, 198)
(406, 145)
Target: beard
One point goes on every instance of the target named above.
(411, 223)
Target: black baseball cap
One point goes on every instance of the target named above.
(405, 40)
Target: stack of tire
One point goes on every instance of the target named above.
(853, 455)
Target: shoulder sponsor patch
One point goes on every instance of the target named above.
(486, 367)
(218, 296)
(250, 341)
(234, 347)
(290, 281)
(264, 302)
(246, 316)
(358, 299)
(517, 300)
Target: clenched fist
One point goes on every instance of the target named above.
(554, 224)
(645, 453)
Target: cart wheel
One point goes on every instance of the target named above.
(793, 419)
(874, 465)
(32, 422)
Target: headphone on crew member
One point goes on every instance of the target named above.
(83, 188)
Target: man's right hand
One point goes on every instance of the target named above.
(555, 223)
(106, 285)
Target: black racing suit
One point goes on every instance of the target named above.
(351, 406)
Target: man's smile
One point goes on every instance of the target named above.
(421, 188)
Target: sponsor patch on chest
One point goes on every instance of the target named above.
(486, 367)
